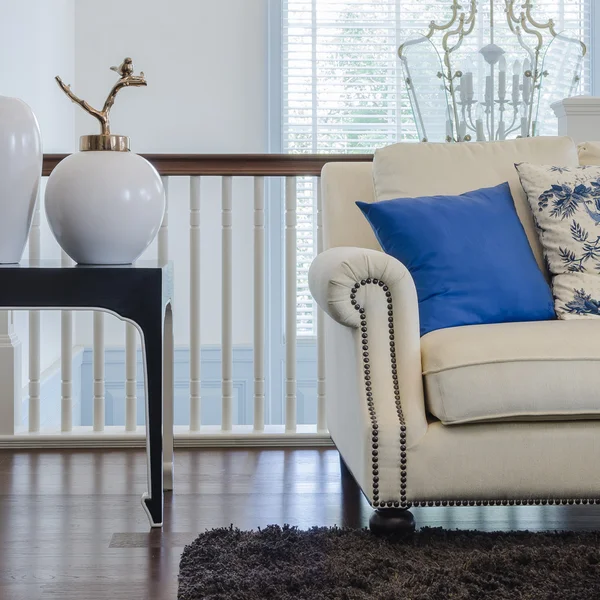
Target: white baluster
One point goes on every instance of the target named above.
(98, 371)
(34, 332)
(195, 304)
(10, 374)
(259, 303)
(66, 363)
(130, 377)
(163, 233)
(226, 304)
(321, 418)
(290, 304)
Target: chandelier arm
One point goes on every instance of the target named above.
(510, 12)
(512, 130)
(472, 11)
(524, 45)
(470, 20)
(537, 34)
(469, 30)
(511, 19)
(549, 24)
(458, 31)
(470, 123)
(500, 120)
(512, 126)
(458, 44)
(433, 27)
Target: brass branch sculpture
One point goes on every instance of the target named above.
(127, 79)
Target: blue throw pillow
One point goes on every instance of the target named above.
(468, 255)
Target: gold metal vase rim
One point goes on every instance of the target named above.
(100, 142)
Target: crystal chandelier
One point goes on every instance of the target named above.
(493, 90)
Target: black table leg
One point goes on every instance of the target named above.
(168, 392)
(153, 352)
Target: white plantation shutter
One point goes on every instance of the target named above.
(343, 90)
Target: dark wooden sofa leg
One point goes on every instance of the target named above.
(398, 521)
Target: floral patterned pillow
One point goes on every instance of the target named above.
(566, 209)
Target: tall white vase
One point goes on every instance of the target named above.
(20, 174)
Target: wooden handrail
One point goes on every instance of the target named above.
(234, 164)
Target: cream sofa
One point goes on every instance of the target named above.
(477, 415)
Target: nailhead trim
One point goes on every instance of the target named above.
(403, 503)
(527, 502)
(369, 394)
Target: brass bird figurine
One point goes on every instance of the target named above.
(125, 69)
(127, 79)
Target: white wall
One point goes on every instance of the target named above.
(206, 65)
(37, 43)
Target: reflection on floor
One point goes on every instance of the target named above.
(71, 524)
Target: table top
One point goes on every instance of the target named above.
(126, 290)
(58, 264)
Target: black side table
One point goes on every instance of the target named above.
(140, 294)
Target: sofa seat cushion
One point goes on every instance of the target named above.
(534, 371)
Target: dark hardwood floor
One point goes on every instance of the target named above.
(72, 527)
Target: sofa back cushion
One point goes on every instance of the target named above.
(428, 169)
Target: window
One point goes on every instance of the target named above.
(343, 91)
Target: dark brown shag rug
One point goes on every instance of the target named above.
(282, 563)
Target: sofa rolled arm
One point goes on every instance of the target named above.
(334, 273)
(345, 279)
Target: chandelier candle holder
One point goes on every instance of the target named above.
(479, 98)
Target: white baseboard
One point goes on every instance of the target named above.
(242, 436)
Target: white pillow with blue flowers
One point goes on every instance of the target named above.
(565, 202)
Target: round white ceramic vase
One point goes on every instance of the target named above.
(103, 207)
(20, 174)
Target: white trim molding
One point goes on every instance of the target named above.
(579, 117)
(209, 436)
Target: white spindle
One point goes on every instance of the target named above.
(226, 305)
(34, 371)
(195, 303)
(163, 233)
(130, 377)
(290, 304)
(259, 303)
(98, 371)
(321, 418)
(10, 374)
(34, 332)
(66, 364)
